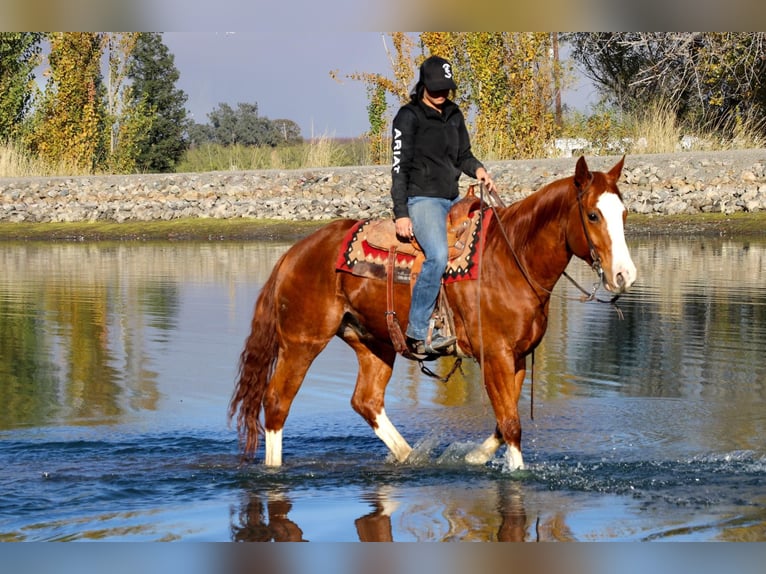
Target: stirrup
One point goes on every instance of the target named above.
(439, 343)
(436, 342)
(434, 347)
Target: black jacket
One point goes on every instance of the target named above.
(430, 152)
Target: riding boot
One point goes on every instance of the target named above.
(438, 345)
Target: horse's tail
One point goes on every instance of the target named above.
(256, 365)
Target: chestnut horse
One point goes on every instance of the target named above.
(499, 318)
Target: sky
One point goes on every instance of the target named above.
(288, 75)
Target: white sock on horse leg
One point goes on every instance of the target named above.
(483, 453)
(273, 448)
(389, 435)
(513, 458)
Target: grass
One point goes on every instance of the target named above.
(663, 134)
(15, 161)
(205, 229)
(320, 152)
(324, 151)
(208, 229)
(751, 224)
(653, 130)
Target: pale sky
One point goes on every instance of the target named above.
(288, 75)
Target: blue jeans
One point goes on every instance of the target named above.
(429, 224)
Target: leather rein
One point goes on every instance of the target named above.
(595, 257)
(588, 296)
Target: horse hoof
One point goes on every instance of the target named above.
(476, 457)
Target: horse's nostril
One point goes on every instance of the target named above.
(620, 280)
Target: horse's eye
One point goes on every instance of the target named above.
(593, 217)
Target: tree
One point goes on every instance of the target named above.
(19, 55)
(118, 47)
(69, 123)
(153, 74)
(709, 78)
(379, 87)
(506, 87)
(506, 83)
(198, 134)
(289, 132)
(243, 126)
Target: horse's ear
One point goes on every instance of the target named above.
(582, 174)
(616, 171)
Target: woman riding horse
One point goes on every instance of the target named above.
(502, 317)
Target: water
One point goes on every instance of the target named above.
(117, 362)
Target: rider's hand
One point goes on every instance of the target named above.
(483, 176)
(404, 227)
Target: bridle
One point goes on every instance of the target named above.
(595, 257)
(588, 296)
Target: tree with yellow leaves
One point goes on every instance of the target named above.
(507, 83)
(69, 123)
(379, 87)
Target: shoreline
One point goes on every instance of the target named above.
(687, 193)
(243, 229)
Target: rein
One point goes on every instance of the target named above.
(596, 265)
(588, 296)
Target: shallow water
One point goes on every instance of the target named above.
(117, 362)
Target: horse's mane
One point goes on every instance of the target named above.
(524, 219)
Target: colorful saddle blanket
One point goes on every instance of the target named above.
(365, 250)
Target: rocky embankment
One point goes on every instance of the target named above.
(671, 184)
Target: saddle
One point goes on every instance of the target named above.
(372, 249)
(381, 234)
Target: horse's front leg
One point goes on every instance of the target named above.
(503, 386)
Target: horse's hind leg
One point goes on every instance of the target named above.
(289, 372)
(375, 368)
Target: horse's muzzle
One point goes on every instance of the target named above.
(622, 279)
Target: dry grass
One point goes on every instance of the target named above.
(656, 130)
(323, 151)
(15, 161)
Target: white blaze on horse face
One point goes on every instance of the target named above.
(623, 271)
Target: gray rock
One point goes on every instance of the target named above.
(686, 182)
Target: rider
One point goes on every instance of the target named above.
(431, 148)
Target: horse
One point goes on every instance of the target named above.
(499, 318)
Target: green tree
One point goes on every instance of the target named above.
(153, 74)
(244, 126)
(199, 134)
(69, 123)
(129, 132)
(19, 55)
(288, 132)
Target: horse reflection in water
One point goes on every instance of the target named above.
(504, 519)
(499, 319)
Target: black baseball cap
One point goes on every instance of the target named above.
(436, 74)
